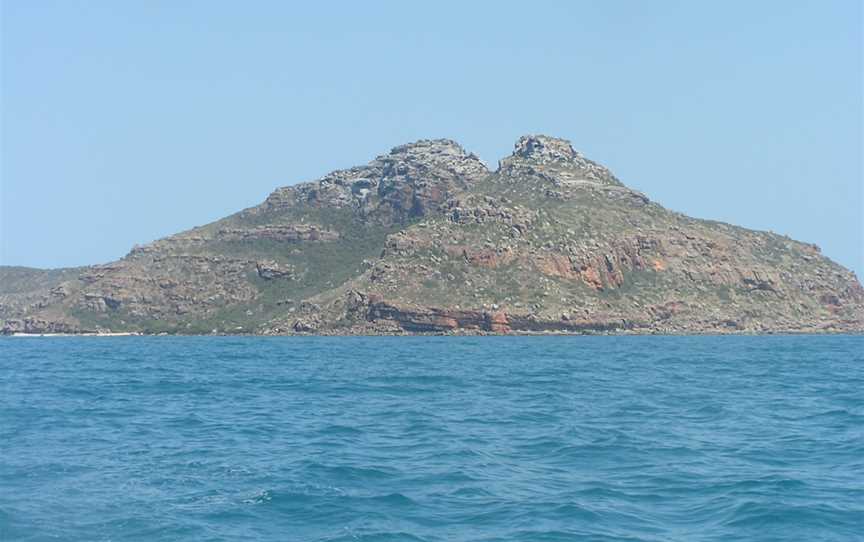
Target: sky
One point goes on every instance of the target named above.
(124, 122)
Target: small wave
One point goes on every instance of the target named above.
(393, 499)
(349, 472)
(259, 497)
(753, 514)
(340, 430)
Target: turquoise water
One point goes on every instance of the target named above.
(432, 438)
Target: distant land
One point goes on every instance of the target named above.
(428, 239)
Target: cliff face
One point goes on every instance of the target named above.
(427, 239)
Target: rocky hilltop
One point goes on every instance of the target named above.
(428, 239)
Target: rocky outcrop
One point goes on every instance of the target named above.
(383, 314)
(164, 285)
(433, 319)
(487, 209)
(271, 270)
(417, 179)
(37, 326)
(555, 160)
(487, 256)
(409, 182)
(291, 233)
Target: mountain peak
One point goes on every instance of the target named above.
(436, 146)
(434, 154)
(544, 148)
(542, 153)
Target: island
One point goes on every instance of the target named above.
(428, 239)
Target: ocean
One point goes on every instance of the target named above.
(432, 438)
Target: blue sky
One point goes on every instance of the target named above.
(123, 122)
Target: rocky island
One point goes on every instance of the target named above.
(428, 239)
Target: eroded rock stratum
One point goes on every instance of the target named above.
(427, 239)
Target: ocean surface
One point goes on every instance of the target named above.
(432, 438)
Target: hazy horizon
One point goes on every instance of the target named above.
(123, 123)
